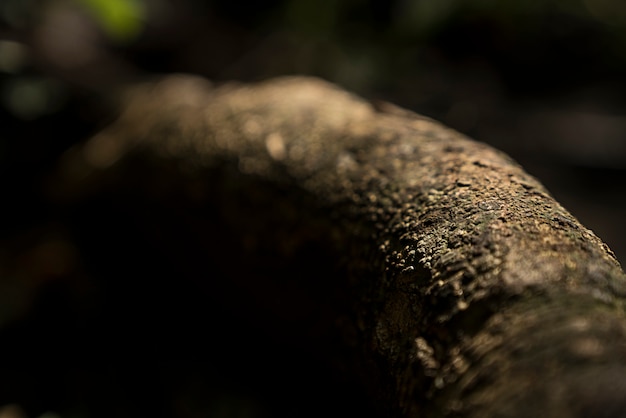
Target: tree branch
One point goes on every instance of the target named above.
(463, 287)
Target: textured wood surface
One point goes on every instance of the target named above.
(455, 283)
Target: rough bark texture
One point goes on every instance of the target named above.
(454, 282)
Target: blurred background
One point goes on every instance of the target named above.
(544, 81)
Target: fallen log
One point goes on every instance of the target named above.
(453, 282)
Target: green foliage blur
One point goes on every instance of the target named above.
(121, 20)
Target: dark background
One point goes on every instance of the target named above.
(543, 81)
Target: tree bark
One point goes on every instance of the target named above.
(454, 283)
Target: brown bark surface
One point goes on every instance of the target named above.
(451, 280)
